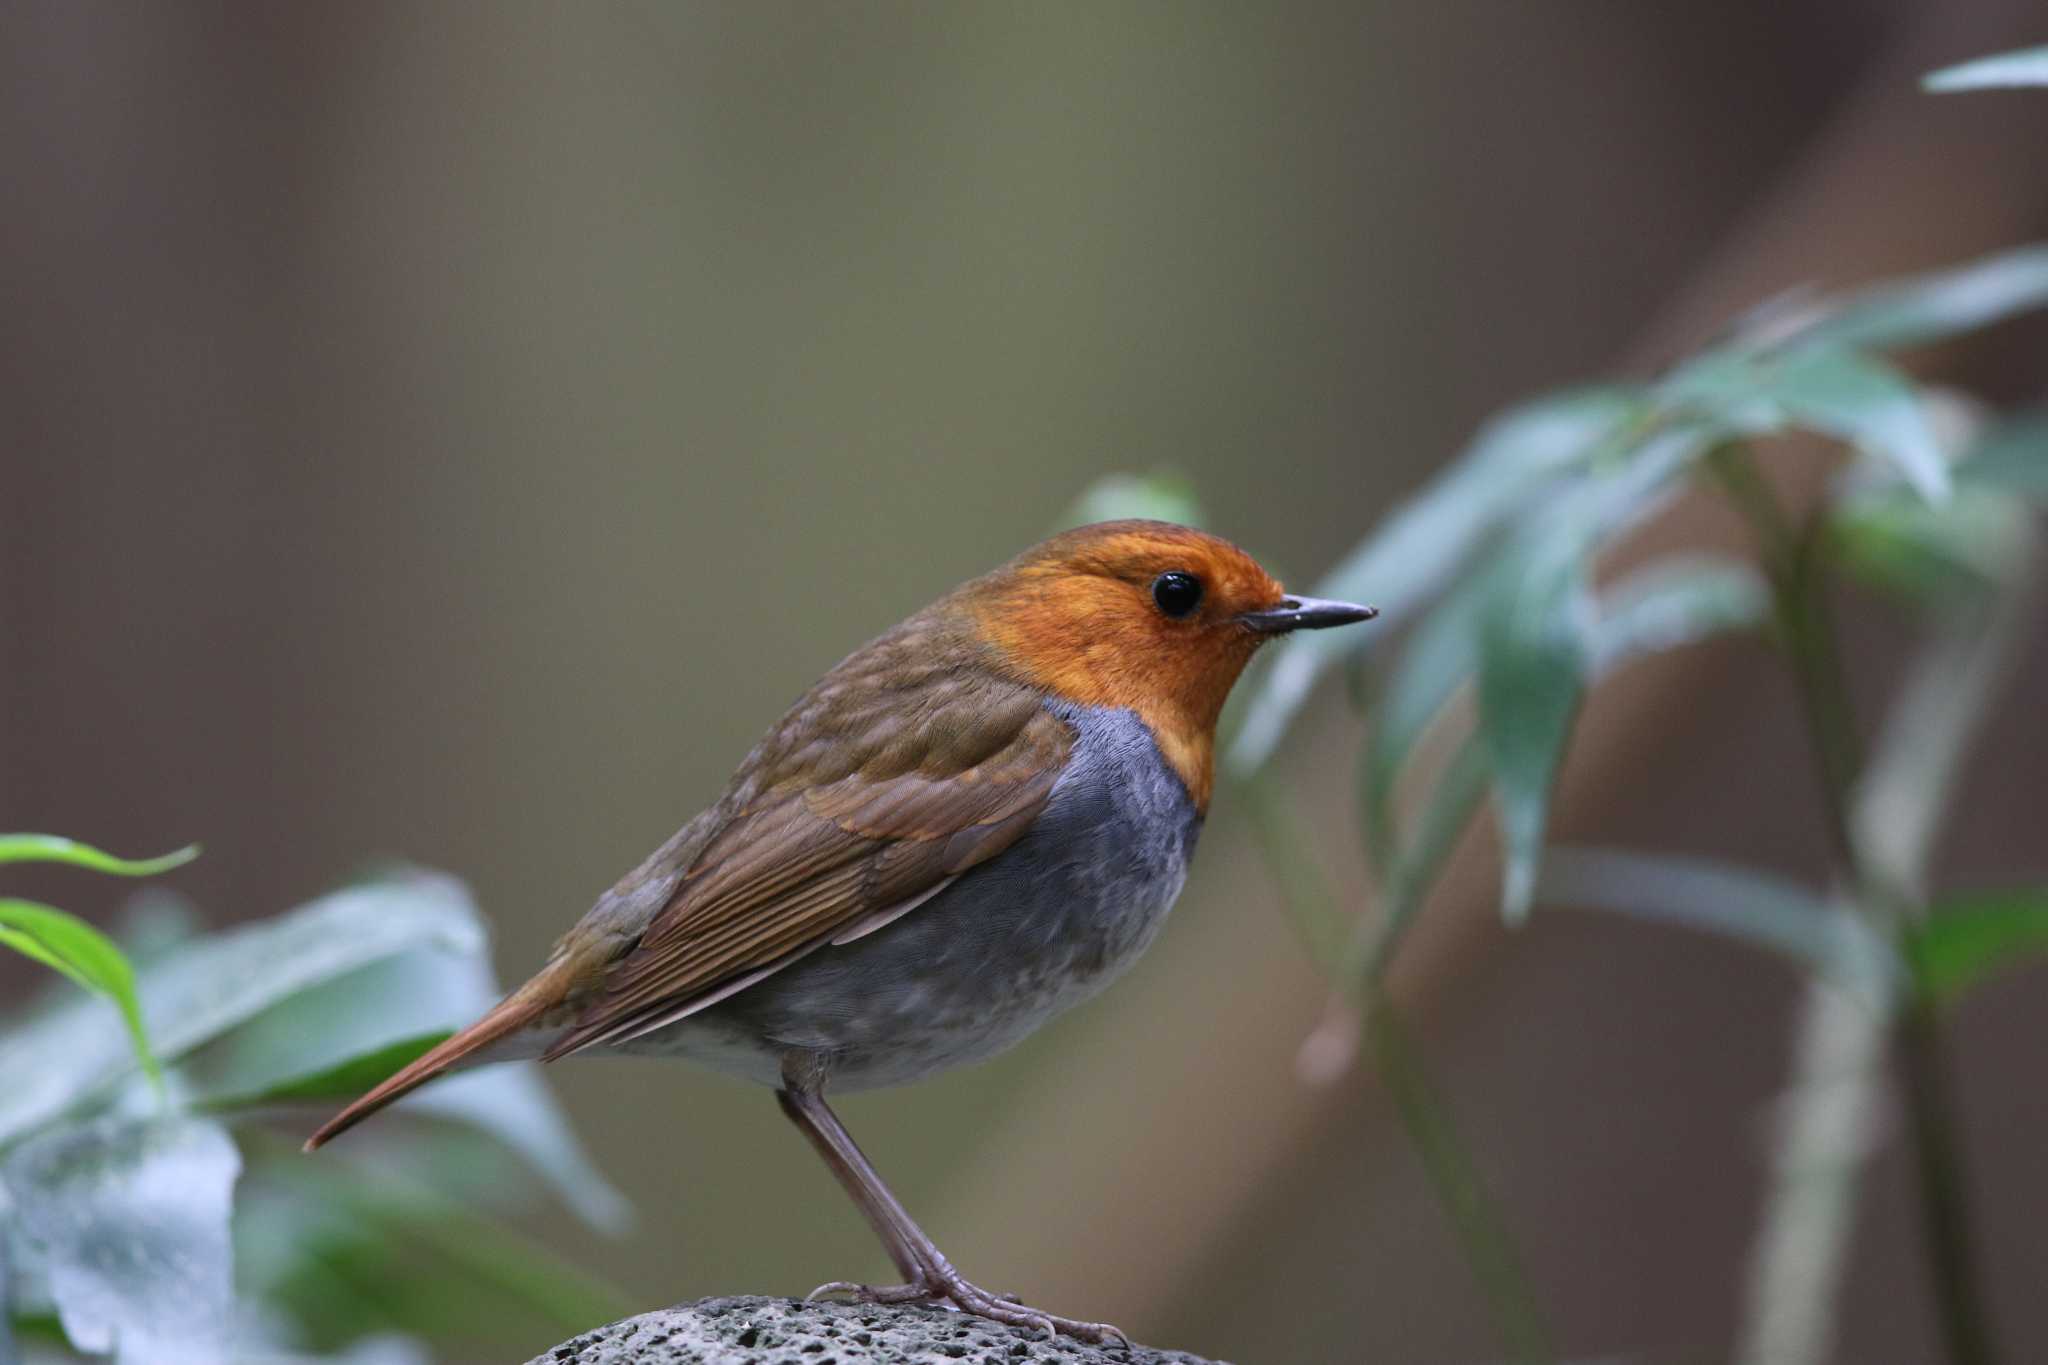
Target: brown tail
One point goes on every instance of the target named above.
(512, 1014)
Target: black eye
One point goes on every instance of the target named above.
(1177, 593)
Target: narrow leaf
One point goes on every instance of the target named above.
(353, 1216)
(1834, 392)
(51, 848)
(1868, 405)
(1439, 657)
(1675, 602)
(2012, 457)
(200, 989)
(344, 1080)
(32, 948)
(1413, 870)
(1962, 548)
(1827, 389)
(511, 1104)
(1422, 544)
(395, 1001)
(2028, 66)
(1967, 939)
(132, 1220)
(84, 954)
(1533, 664)
(1753, 907)
(1936, 306)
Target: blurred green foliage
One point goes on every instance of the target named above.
(165, 1221)
(1493, 566)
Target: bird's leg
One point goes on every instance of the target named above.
(927, 1274)
(848, 1163)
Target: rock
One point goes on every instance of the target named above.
(757, 1331)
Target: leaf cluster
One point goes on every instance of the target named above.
(146, 1210)
(1496, 569)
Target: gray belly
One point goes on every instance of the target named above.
(1043, 925)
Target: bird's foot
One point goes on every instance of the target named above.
(949, 1289)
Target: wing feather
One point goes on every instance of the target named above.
(809, 864)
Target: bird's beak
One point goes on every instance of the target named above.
(1305, 613)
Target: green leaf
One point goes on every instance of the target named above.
(2028, 66)
(1158, 496)
(343, 1248)
(396, 1000)
(1740, 903)
(1415, 869)
(130, 1220)
(51, 848)
(344, 1080)
(1439, 657)
(201, 989)
(1938, 305)
(1674, 602)
(1823, 388)
(1967, 939)
(2012, 457)
(1418, 548)
(1667, 604)
(84, 954)
(1533, 665)
(1971, 544)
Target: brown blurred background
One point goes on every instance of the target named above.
(455, 431)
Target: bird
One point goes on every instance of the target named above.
(971, 823)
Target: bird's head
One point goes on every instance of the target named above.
(1144, 615)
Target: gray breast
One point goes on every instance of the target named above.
(1042, 926)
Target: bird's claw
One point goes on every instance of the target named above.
(956, 1293)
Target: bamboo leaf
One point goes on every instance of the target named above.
(1413, 870)
(2012, 457)
(1966, 940)
(1926, 552)
(1823, 388)
(2028, 66)
(1418, 548)
(329, 1229)
(1663, 606)
(81, 952)
(1439, 656)
(323, 1033)
(1675, 602)
(344, 1080)
(202, 988)
(52, 848)
(1740, 903)
(1533, 665)
(1938, 305)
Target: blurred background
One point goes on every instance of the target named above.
(454, 432)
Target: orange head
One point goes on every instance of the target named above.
(1144, 615)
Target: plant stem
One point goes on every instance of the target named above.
(1944, 1202)
(1482, 1233)
(1793, 563)
(1305, 893)
(1482, 1230)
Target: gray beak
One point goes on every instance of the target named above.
(1305, 613)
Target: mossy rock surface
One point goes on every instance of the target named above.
(757, 1331)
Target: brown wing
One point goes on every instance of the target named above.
(808, 861)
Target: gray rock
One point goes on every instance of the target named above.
(756, 1331)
